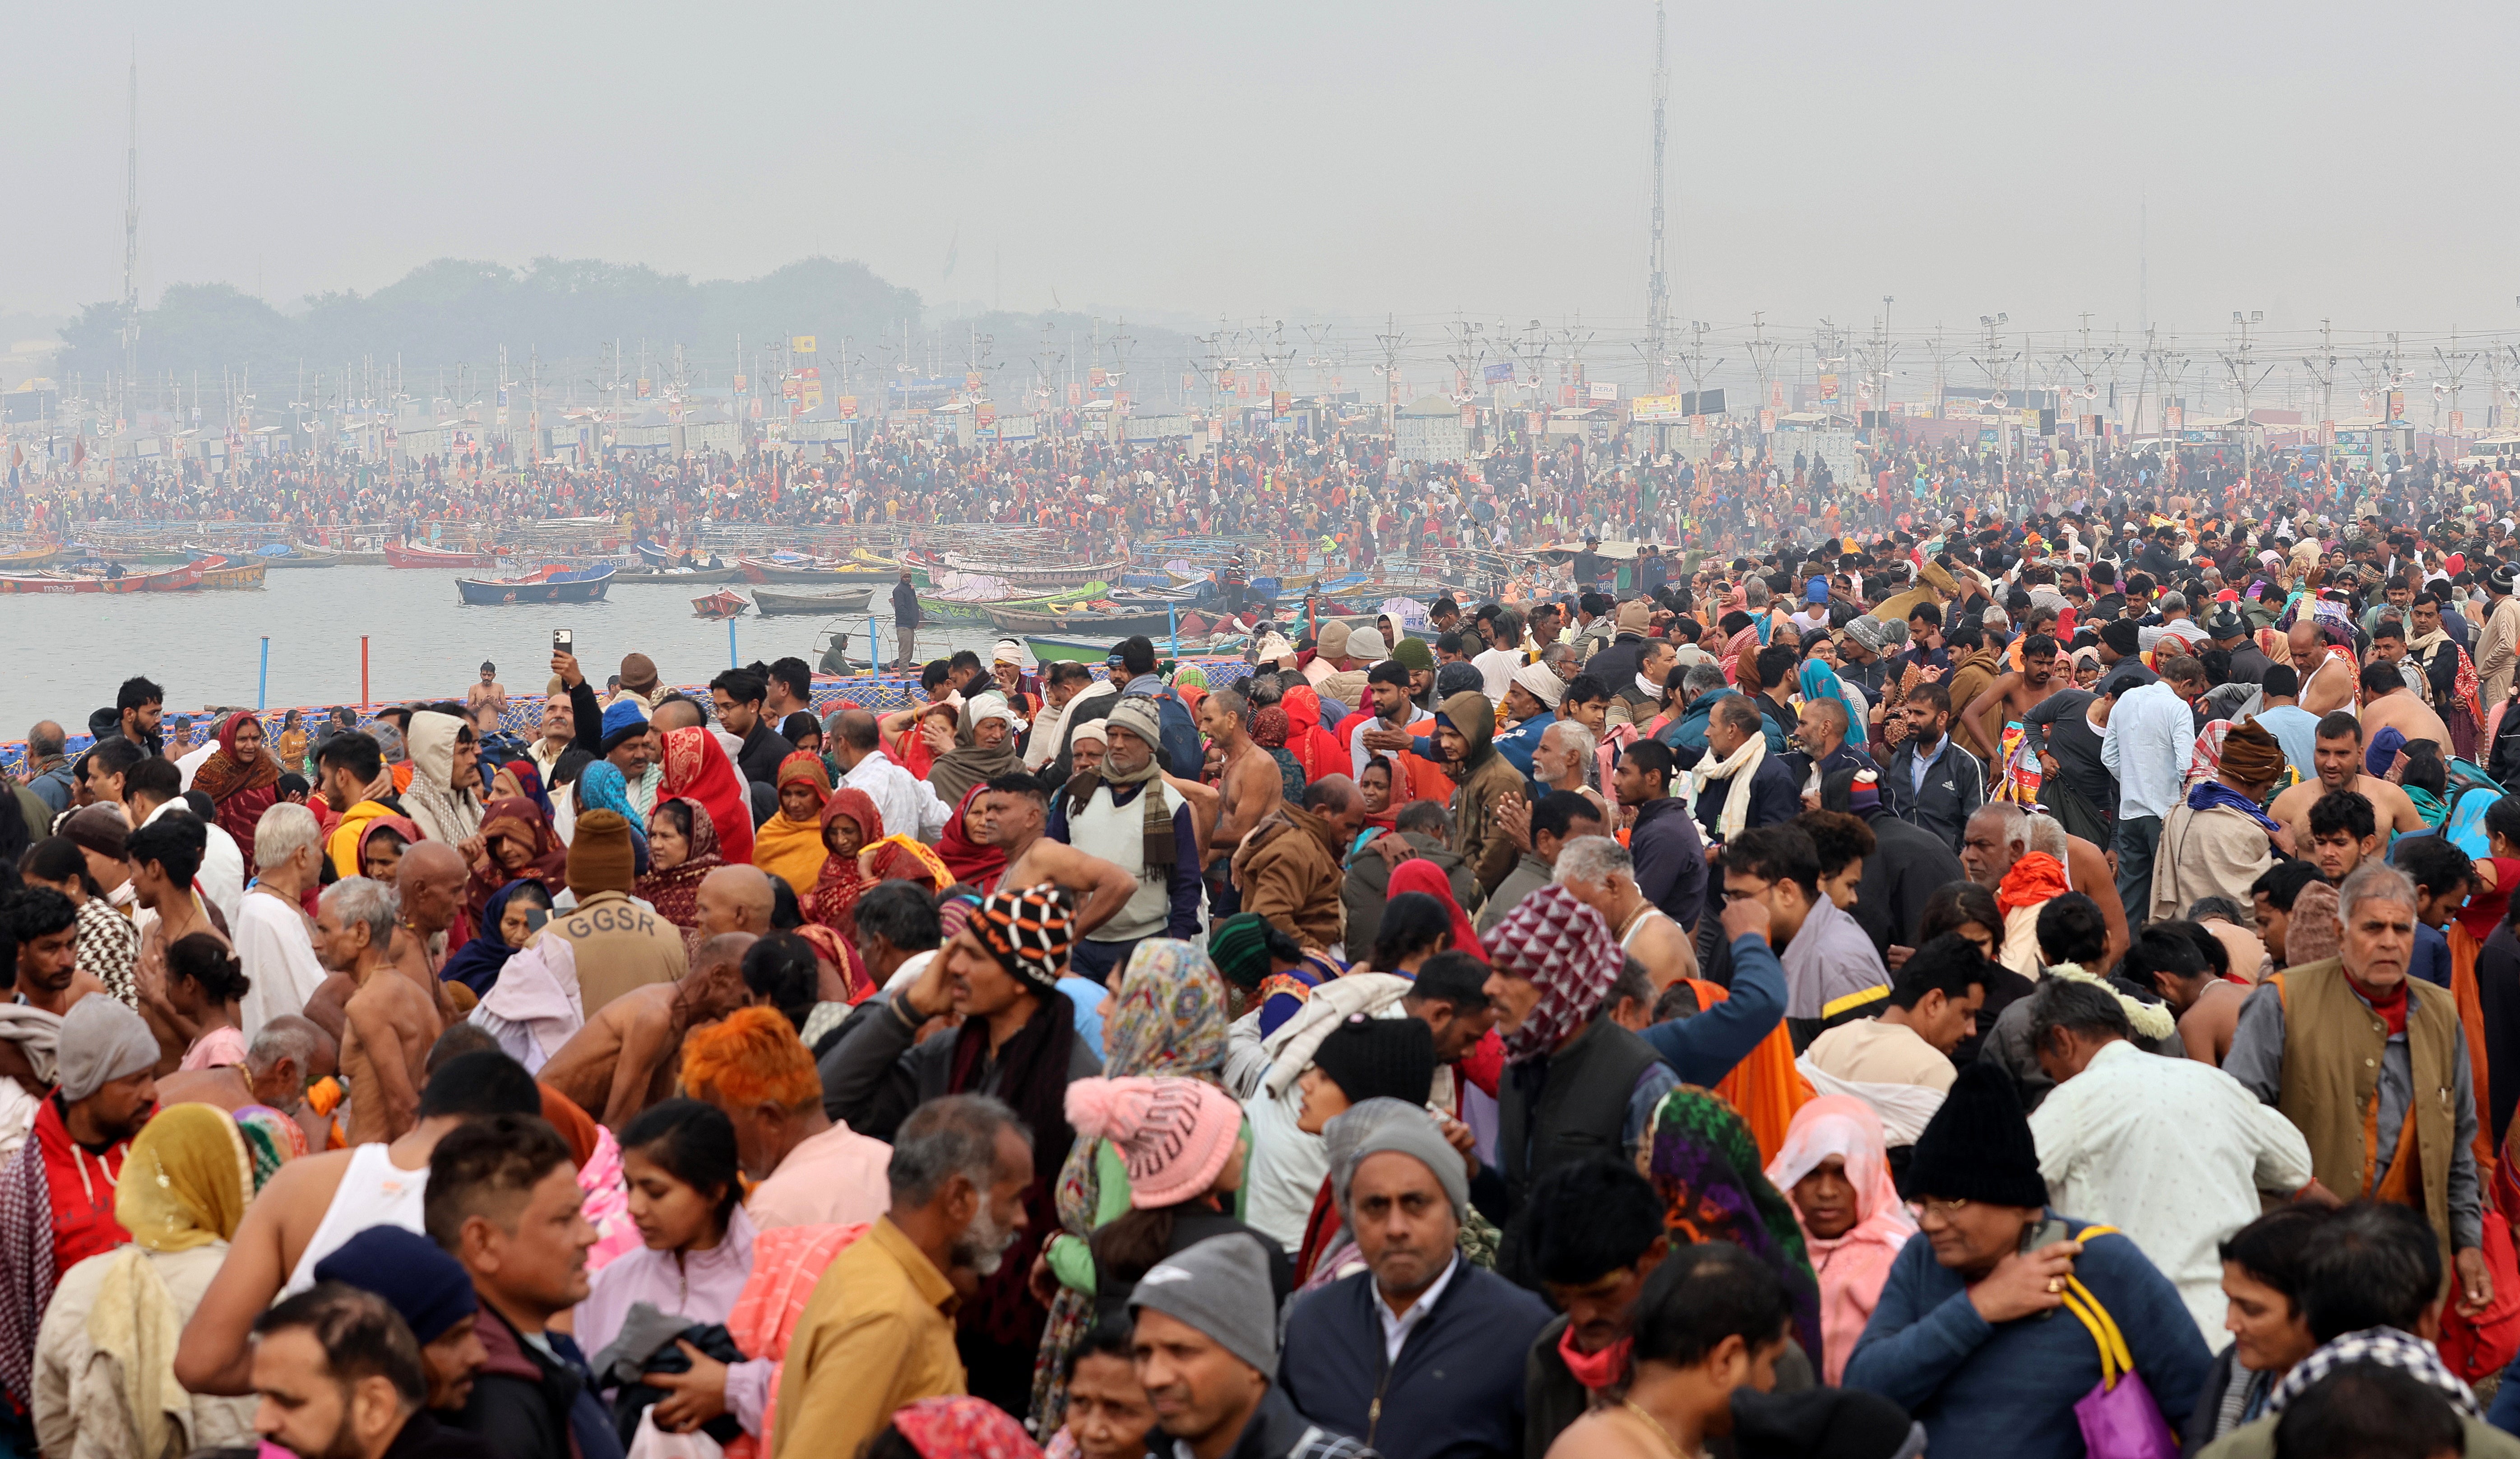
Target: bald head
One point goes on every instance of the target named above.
(430, 882)
(854, 731)
(734, 899)
(677, 714)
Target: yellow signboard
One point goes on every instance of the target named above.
(801, 344)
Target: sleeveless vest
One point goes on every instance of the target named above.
(1577, 1113)
(2334, 1045)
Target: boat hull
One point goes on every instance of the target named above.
(1037, 577)
(699, 577)
(398, 555)
(549, 586)
(776, 605)
(228, 573)
(1078, 622)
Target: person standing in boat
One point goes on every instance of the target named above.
(905, 622)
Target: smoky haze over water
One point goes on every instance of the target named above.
(1313, 161)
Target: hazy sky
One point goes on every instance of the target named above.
(1301, 159)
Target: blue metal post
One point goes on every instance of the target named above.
(1172, 612)
(732, 659)
(875, 649)
(262, 691)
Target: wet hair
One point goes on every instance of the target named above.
(1558, 811)
(2374, 1264)
(361, 1336)
(901, 913)
(2071, 930)
(2434, 864)
(1586, 1219)
(2276, 1247)
(1956, 904)
(206, 961)
(782, 970)
(57, 859)
(1948, 964)
(1841, 840)
(155, 777)
(1413, 923)
(356, 752)
(488, 1169)
(1776, 854)
(694, 1142)
(2348, 812)
(1703, 1293)
(2167, 949)
(476, 1083)
(2082, 1007)
(1455, 976)
(2283, 880)
(176, 842)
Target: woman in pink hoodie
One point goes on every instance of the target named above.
(1834, 1168)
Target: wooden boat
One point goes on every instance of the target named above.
(1038, 576)
(232, 573)
(959, 611)
(412, 555)
(791, 567)
(725, 603)
(776, 604)
(701, 575)
(27, 559)
(1120, 624)
(547, 585)
(168, 581)
(1052, 648)
(291, 555)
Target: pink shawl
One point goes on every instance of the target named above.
(1853, 1266)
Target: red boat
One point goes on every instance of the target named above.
(169, 581)
(725, 603)
(408, 555)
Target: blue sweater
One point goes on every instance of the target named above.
(1981, 1389)
(1457, 1392)
(1702, 1048)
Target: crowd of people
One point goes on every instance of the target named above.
(2040, 983)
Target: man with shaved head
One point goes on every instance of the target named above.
(735, 899)
(430, 886)
(907, 804)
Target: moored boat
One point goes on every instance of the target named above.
(699, 575)
(775, 605)
(1078, 620)
(228, 572)
(547, 585)
(793, 567)
(412, 555)
(725, 603)
(1038, 576)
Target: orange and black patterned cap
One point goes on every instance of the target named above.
(1030, 932)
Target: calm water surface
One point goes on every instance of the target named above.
(65, 655)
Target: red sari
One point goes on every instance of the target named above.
(515, 822)
(845, 879)
(968, 859)
(696, 767)
(240, 790)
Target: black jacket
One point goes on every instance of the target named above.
(905, 605)
(1907, 865)
(1274, 1431)
(1457, 1392)
(1954, 790)
(1775, 796)
(763, 749)
(524, 1405)
(874, 1075)
(423, 1437)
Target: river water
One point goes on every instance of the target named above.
(65, 655)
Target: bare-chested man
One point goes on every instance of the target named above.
(2327, 679)
(388, 1024)
(164, 855)
(1018, 810)
(430, 889)
(486, 701)
(624, 1059)
(317, 1201)
(2336, 750)
(1601, 874)
(2388, 704)
(1253, 790)
(288, 1054)
(2012, 696)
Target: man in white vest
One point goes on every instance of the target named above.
(1123, 814)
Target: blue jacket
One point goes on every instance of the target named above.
(1980, 1388)
(1457, 1392)
(1702, 1048)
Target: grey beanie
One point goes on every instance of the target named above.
(1420, 1139)
(101, 1041)
(1221, 1286)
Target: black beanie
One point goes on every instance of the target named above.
(2120, 634)
(1978, 1147)
(1379, 1059)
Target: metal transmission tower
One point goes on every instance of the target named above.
(131, 239)
(1657, 279)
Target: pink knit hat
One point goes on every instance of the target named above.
(1175, 1136)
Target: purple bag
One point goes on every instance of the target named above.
(2120, 1419)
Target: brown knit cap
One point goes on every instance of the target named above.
(2250, 755)
(600, 857)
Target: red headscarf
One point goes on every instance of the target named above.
(1314, 748)
(968, 859)
(240, 789)
(1417, 874)
(836, 889)
(695, 765)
